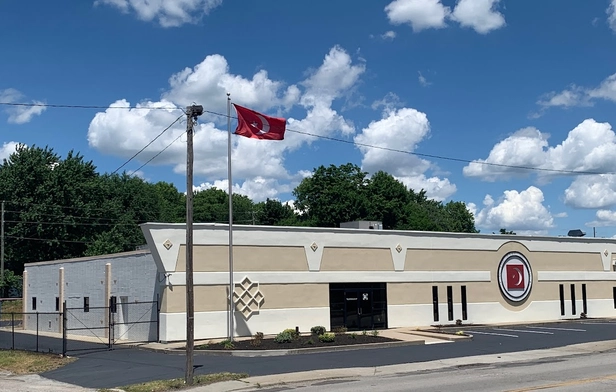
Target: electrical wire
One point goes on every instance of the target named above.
(160, 152)
(147, 145)
(423, 155)
(63, 106)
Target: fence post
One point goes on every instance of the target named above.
(110, 327)
(13, 330)
(157, 319)
(37, 331)
(64, 319)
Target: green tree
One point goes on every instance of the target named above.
(333, 195)
(274, 213)
(387, 198)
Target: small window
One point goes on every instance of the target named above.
(450, 303)
(573, 311)
(562, 299)
(57, 304)
(86, 304)
(435, 301)
(464, 308)
(113, 304)
(614, 294)
(584, 300)
(33, 303)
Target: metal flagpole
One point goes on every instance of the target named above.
(231, 288)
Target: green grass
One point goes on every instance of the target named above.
(26, 362)
(178, 383)
(12, 306)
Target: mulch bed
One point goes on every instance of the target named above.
(302, 342)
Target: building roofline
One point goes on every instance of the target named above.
(90, 258)
(410, 233)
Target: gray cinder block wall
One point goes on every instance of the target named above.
(132, 278)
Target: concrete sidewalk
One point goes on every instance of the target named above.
(257, 383)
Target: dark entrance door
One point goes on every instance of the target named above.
(358, 306)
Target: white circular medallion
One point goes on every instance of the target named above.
(515, 277)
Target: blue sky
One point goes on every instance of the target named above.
(514, 83)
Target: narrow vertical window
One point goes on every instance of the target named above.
(57, 304)
(614, 294)
(33, 303)
(450, 303)
(464, 308)
(562, 299)
(113, 304)
(584, 301)
(573, 299)
(435, 301)
(86, 304)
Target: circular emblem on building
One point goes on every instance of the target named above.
(515, 277)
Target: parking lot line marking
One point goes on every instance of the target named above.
(597, 323)
(519, 330)
(560, 329)
(492, 333)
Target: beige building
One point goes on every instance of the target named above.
(363, 279)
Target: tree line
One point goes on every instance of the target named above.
(58, 208)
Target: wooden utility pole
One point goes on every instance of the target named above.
(2, 246)
(192, 112)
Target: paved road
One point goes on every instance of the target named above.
(107, 369)
(580, 373)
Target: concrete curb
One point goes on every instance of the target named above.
(495, 360)
(308, 350)
(442, 335)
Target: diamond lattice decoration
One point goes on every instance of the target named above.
(167, 244)
(247, 297)
(605, 252)
(399, 248)
(314, 246)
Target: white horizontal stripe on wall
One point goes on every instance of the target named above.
(561, 276)
(222, 278)
(213, 325)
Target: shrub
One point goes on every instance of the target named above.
(293, 332)
(327, 337)
(364, 333)
(318, 330)
(309, 341)
(458, 322)
(257, 339)
(375, 333)
(284, 337)
(353, 335)
(227, 344)
(341, 329)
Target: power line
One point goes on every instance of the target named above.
(423, 155)
(63, 106)
(160, 152)
(147, 145)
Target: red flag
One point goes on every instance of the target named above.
(259, 126)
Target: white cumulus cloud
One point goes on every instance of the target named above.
(168, 13)
(523, 212)
(7, 149)
(480, 15)
(420, 14)
(401, 129)
(604, 218)
(20, 114)
(593, 191)
(255, 162)
(589, 147)
(576, 95)
(611, 15)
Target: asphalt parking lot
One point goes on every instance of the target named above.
(544, 335)
(106, 369)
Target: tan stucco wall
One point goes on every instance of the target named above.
(355, 259)
(467, 260)
(276, 296)
(215, 258)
